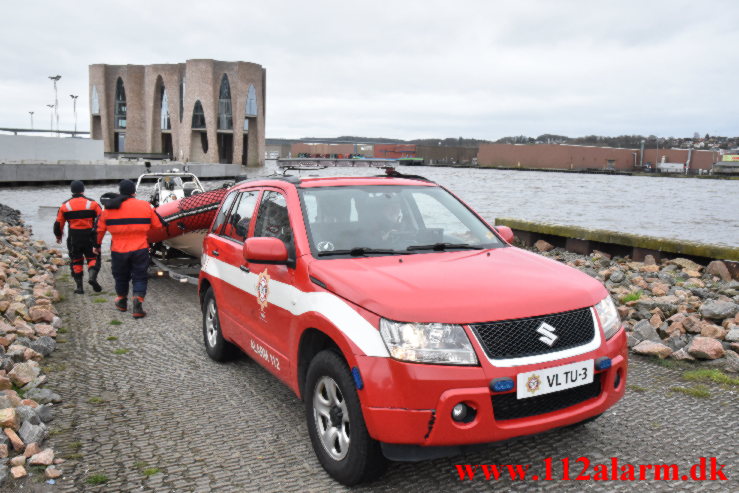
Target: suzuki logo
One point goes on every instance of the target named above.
(548, 336)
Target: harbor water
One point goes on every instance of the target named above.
(705, 211)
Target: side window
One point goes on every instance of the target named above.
(273, 220)
(225, 207)
(237, 223)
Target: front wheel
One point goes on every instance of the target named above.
(336, 425)
(216, 346)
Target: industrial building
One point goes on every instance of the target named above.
(199, 111)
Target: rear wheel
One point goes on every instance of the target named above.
(336, 425)
(216, 346)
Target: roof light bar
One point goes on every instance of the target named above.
(322, 163)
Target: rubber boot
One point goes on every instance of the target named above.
(138, 306)
(121, 302)
(93, 281)
(78, 282)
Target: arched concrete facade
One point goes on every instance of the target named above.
(202, 80)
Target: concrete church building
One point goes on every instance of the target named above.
(198, 111)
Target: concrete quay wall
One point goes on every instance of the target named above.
(50, 173)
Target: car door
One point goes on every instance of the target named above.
(271, 316)
(211, 263)
(234, 296)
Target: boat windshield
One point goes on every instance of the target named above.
(390, 220)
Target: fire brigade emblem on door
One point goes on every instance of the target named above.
(263, 291)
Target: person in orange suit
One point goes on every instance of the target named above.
(128, 220)
(81, 213)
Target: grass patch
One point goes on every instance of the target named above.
(111, 338)
(95, 400)
(51, 367)
(21, 393)
(61, 330)
(121, 351)
(116, 322)
(75, 445)
(97, 479)
(667, 363)
(699, 391)
(631, 297)
(139, 465)
(100, 300)
(636, 388)
(150, 471)
(61, 340)
(710, 375)
(75, 456)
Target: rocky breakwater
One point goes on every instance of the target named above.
(671, 309)
(28, 329)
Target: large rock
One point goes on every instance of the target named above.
(43, 458)
(27, 413)
(14, 439)
(543, 246)
(706, 348)
(45, 330)
(32, 433)
(733, 334)
(686, 264)
(681, 354)
(44, 345)
(719, 310)
(23, 373)
(43, 396)
(668, 304)
(617, 277)
(644, 331)
(692, 324)
(719, 269)
(710, 330)
(652, 348)
(41, 314)
(9, 418)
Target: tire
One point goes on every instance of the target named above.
(349, 454)
(218, 348)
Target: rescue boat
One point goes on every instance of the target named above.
(187, 221)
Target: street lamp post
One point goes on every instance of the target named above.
(55, 79)
(51, 115)
(74, 108)
(31, 113)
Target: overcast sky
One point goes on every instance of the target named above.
(404, 69)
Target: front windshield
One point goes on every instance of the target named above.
(390, 219)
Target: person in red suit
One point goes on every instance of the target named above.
(128, 220)
(81, 214)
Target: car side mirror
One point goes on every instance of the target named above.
(506, 233)
(265, 250)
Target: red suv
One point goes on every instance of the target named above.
(409, 326)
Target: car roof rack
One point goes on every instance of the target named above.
(314, 164)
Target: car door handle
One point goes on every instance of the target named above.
(215, 253)
(244, 268)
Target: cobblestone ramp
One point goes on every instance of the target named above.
(233, 427)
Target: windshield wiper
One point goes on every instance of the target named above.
(360, 251)
(439, 247)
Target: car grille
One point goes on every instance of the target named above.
(508, 406)
(518, 338)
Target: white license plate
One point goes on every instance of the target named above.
(540, 382)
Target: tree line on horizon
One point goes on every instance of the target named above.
(625, 141)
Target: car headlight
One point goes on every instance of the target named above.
(443, 344)
(608, 316)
